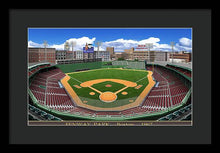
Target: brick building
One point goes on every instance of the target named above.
(129, 53)
(144, 55)
(111, 51)
(180, 56)
(41, 55)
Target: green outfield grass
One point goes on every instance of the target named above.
(140, 77)
(126, 74)
(102, 86)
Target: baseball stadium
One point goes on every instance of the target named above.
(109, 91)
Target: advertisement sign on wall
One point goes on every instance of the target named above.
(88, 48)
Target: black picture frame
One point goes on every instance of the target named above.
(198, 19)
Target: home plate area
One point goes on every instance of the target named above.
(109, 89)
(114, 86)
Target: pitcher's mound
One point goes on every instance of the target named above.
(108, 85)
(108, 97)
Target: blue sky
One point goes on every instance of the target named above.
(120, 38)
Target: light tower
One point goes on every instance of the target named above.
(98, 44)
(73, 44)
(149, 45)
(172, 44)
(45, 47)
(66, 46)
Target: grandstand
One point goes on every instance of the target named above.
(183, 70)
(181, 114)
(47, 91)
(172, 93)
(37, 114)
(169, 93)
(35, 67)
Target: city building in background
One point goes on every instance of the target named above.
(104, 55)
(41, 55)
(142, 53)
(111, 50)
(79, 54)
(154, 55)
(61, 54)
(118, 55)
(179, 57)
(70, 55)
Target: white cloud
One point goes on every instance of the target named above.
(58, 47)
(33, 44)
(149, 40)
(183, 48)
(80, 43)
(185, 42)
(121, 44)
(162, 47)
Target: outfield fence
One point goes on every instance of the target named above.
(66, 68)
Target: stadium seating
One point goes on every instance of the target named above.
(188, 117)
(47, 91)
(186, 72)
(36, 113)
(36, 68)
(169, 93)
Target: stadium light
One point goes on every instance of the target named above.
(98, 44)
(45, 54)
(149, 45)
(73, 44)
(172, 44)
(66, 46)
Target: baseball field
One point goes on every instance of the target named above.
(107, 88)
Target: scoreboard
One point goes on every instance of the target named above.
(88, 50)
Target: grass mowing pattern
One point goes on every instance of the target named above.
(94, 100)
(102, 86)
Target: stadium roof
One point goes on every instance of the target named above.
(30, 65)
(187, 65)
